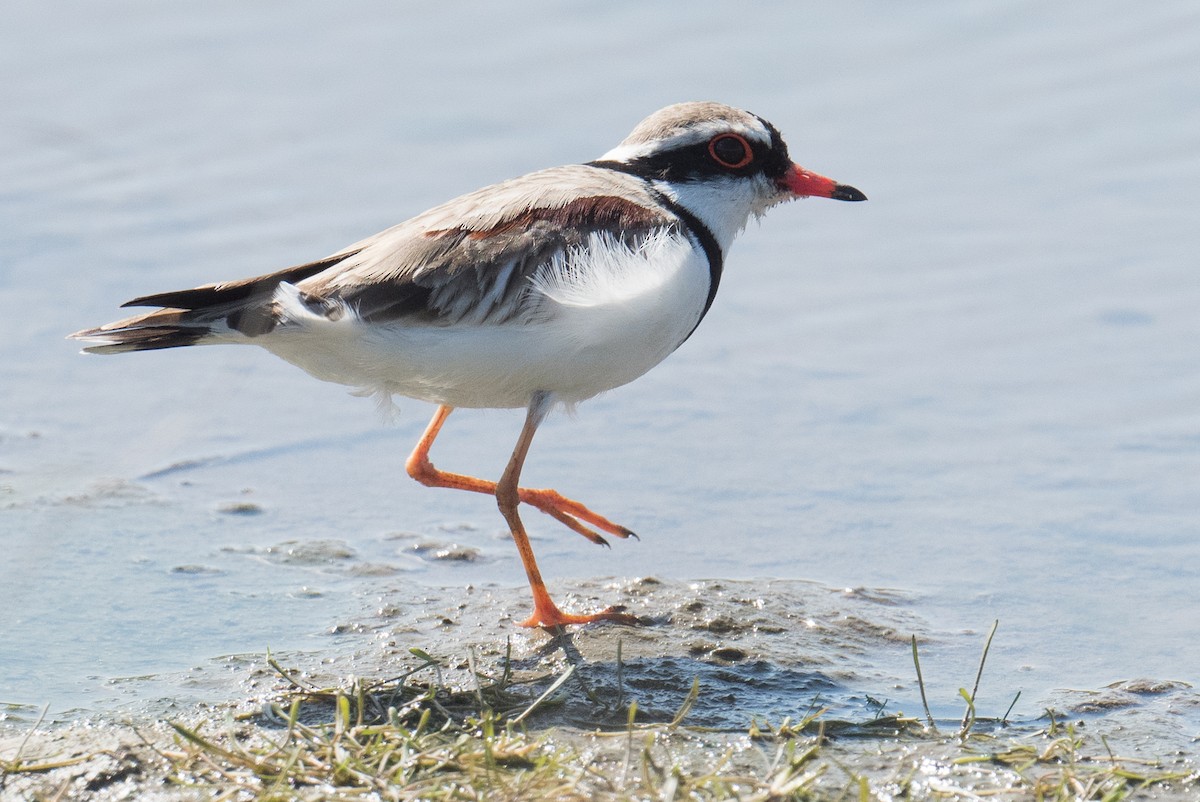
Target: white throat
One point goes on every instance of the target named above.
(724, 205)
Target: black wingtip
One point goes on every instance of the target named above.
(847, 193)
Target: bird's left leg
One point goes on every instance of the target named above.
(568, 511)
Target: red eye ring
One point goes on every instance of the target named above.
(719, 149)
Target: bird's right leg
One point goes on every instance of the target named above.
(545, 612)
(570, 512)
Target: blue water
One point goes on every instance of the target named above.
(981, 388)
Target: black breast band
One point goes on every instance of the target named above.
(693, 224)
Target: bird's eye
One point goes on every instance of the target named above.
(730, 150)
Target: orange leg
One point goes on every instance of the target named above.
(508, 497)
(569, 512)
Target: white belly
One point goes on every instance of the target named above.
(606, 317)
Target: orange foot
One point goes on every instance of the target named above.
(571, 513)
(547, 615)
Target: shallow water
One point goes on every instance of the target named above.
(979, 389)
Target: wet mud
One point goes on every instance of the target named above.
(728, 667)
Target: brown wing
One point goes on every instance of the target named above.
(468, 260)
(480, 275)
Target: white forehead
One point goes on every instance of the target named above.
(687, 124)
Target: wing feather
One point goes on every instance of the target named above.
(453, 265)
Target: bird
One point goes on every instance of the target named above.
(536, 292)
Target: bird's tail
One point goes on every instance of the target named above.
(213, 313)
(166, 328)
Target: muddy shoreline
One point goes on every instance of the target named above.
(762, 654)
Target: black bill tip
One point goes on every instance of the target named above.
(847, 193)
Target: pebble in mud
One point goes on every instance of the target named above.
(445, 552)
(243, 508)
(721, 624)
(309, 552)
(438, 550)
(1127, 694)
(373, 570)
(196, 570)
(730, 654)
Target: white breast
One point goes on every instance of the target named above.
(605, 315)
